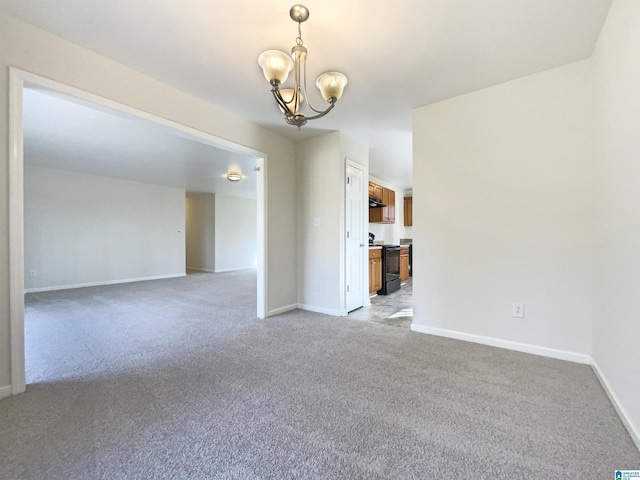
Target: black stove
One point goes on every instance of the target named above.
(390, 269)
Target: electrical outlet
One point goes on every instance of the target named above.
(317, 222)
(517, 310)
(316, 285)
(32, 273)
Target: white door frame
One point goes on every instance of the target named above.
(365, 223)
(17, 80)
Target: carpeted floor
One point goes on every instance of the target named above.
(177, 379)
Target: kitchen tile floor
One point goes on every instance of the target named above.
(395, 309)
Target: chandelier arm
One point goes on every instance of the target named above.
(322, 114)
(306, 95)
(278, 96)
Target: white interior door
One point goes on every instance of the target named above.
(355, 238)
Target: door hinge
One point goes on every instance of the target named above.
(347, 234)
(347, 288)
(348, 180)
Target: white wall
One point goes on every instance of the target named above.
(38, 52)
(319, 186)
(201, 232)
(87, 230)
(235, 233)
(321, 196)
(616, 326)
(503, 206)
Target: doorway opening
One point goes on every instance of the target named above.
(148, 175)
(390, 255)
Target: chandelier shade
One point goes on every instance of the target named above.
(331, 85)
(276, 66)
(291, 99)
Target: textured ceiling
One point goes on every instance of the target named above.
(397, 55)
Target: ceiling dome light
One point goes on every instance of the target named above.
(234, 176)
(276, 66)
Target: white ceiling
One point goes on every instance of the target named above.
(398, 55)
(66, 133)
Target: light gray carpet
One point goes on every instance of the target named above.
(176, 379)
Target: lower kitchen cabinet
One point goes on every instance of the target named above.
(404, 263)
(375, 270)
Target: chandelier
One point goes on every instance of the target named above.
(276, 66)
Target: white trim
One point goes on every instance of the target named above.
(262, 242)
(206, 270)
(286, 308)
(364, 222)
(16, 234)
(5, 391)
(107, 282)
(326, 311)
(222, 270)
(634, 431)
(508, 344)
(17, 80)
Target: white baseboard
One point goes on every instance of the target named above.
(97, 284)
(326, 311)
(206, 270)
(222, 270)
(286, 308)
(5, 391)
(633, 430)
(507, 344)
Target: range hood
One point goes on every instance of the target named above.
(375, 203)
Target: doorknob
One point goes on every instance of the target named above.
(362, 244)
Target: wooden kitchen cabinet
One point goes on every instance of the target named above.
(408, 211)
(385, 214)
(404, 263)
(375, 190)
(375, 270)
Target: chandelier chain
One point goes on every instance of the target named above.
(299, 39)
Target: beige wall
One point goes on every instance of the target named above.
(528, 191)
(319, 175)
(236, 235)
(83, 230)
(38, 52)
(502, 212)
(616, 305)
(321, 196)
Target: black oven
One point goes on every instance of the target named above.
(390, 269)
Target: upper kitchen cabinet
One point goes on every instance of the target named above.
(386, 214)
(408, 211)
(375, 191)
